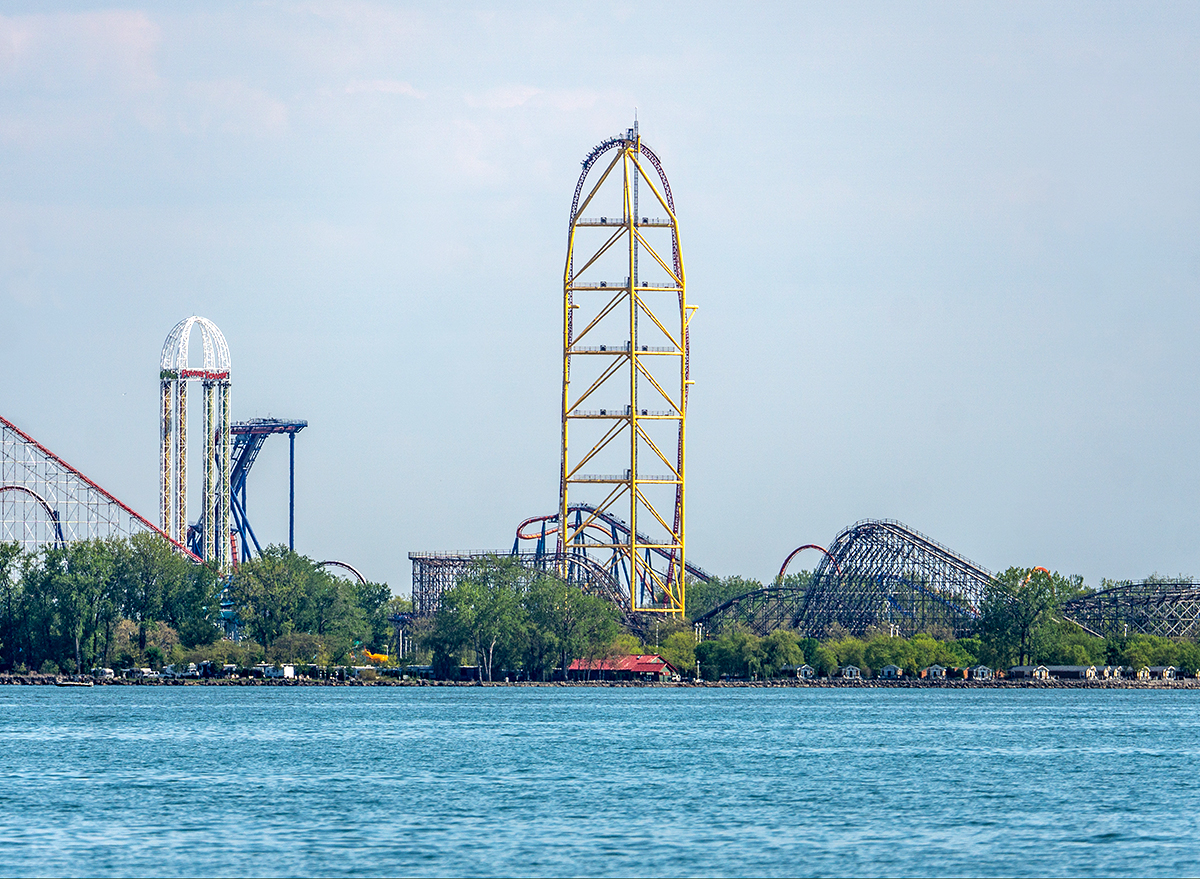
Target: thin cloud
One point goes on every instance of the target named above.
(383, 87)
(233, 107)
(60, 50)
(503, 98)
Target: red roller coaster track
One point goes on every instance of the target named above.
(73, 475)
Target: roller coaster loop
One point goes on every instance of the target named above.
(798, 550)
(330, 563)
(550, 526)
(50, 511)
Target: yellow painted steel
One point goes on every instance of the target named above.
(633, 370)
(181, 449)
(166, 505)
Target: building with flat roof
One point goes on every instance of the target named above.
(631, 667)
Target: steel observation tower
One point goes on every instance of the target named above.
(625, 373)
(174, 375)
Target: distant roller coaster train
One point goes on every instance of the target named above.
(619, 527)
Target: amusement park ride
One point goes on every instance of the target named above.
(620, 526)
(619, 529)
(44, 500)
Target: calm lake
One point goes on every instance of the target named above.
(266, 781)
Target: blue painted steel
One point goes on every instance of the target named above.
(248, 439)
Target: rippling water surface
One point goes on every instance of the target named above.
(506, 781)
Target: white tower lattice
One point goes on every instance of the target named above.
(174, 374)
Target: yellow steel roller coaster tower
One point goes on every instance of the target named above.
(625, 375)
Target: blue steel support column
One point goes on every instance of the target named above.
(292, 491)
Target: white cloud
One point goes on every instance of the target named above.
(233, 107)
(383, 87)
(503, 98)
(60, 51)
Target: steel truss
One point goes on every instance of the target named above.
(45, 501)
(1169, 610)
(248, 439)
(625, 341)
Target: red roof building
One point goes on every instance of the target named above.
(630, 667)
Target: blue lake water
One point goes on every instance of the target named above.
(514, 781)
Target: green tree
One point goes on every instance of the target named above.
(144, 567)
(920, 652)
(83, 576)
(1061, 642)
(851, 651)
(1020, 602)
(679, 649)
(192, 602)
(544, 603)
(269, 591)
(1188, 660)
(12, 630)
(483, 613)
(372, 600)
(704, 596)
(780, 648)
(586, 628)
(884, 650)
(737, 654)
(825, 661)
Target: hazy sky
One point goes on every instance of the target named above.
(945, 256)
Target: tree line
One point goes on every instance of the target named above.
(503, 617)
(129, 602)
(1020, 623)
(136, 601)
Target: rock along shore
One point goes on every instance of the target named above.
(34, 679)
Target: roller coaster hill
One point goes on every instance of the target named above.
(882, 576)
(44, 501)
(620, 524)
(878, 575)
(619, 528)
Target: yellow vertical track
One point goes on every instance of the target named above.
(638, 400)
(181, 523)
(167, 437)
(212, 540)
(223, 453)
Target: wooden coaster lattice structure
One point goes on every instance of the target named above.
(625, 372)
(1169, 610)
(760, 611)
(174, 375)
(435, 573)
(881, 574)
(877, 575)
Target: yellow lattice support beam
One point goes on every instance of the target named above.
(625, 376)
